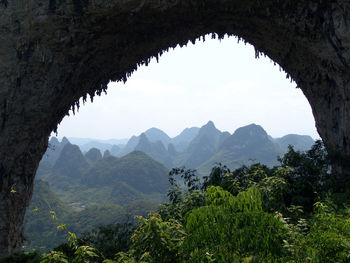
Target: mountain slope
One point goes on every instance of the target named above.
(182, 140)
(86, 144)
(136, 169)
(68, 168)
(130, 146)
(93, 155)
(95, 144)
(156, 150)
(155, 134)
(152, 134)
(299, 142)
(135, 176)
(38, 221)
(247, 144)
(54, 149)
(41, 230)
(203, 146)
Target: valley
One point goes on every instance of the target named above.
(93, 183)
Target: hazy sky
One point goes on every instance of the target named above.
(211, 80)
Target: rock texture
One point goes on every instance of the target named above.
(54, 52)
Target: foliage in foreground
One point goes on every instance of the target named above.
(288, 213)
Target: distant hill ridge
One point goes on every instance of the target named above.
(247, 144)
(88, 190)
(202, 147)
(74, 173)
(102, 182)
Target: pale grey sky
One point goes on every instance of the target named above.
(212, 80)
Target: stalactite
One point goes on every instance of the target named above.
(257, 53)
(91, 94)
(73, 109)
(77, 104)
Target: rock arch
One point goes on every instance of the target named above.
(54, 52)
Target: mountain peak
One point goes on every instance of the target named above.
(143, 138)
(64, 140)
(70, 163)
(208, 129)
(299, 142)
(210, 124)
(106, 154)
(93, 155)
(154, 129)
(144, 144)
(155, 134)
(251, 130)
(54, 141)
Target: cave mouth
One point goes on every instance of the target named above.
(52, 55)
(227, 79)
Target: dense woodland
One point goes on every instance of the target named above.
(288, 210)
(109, 190)
(292, 212)
(88, 189)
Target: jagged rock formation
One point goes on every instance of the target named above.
(54, 52)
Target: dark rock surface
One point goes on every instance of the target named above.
(54, 52)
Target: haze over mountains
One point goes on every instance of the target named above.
(103, 182)
(138, 170)
(198, 148)
(90, 190)
(93, 179)
(86, 144)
